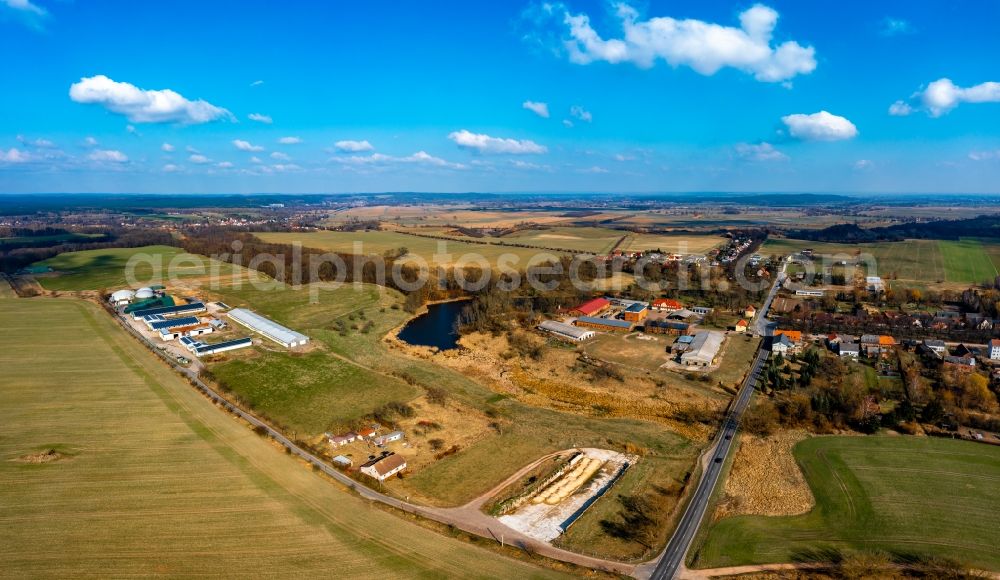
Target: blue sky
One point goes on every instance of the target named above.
(499, 96)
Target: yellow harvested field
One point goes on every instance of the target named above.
(454, 215)
(679, 244)
(113, 466)
(765, 479)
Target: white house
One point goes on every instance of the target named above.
(994, 349)
(384, 467)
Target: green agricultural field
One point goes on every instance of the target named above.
(967, 261)
(909, 260)
(149, 478)
(106, 268)
(377, 243)
(682, 244)
(912, 497)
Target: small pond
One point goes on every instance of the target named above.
(436, 327)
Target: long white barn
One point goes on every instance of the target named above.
(267, 327)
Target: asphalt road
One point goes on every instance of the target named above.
(672, 559)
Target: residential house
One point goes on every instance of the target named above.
(388, 438)
(742, 325)
(782, 344)
(341, 440)
(875, 344)
(849, 349)
(367, 432)
(666, 305)
(960, 362)
(993, 349)
(384, 467)
(750, 311)
(937, 346)
(793, 335)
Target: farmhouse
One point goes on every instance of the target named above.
(704, 348)
(566, 331)
(666, 305)
(592, 307)
(341, 440)
(636, 312)
(384, 467)
(607, 324)
(270, 329)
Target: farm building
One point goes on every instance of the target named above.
(592, 307)
(388, 438)
(566, 331)
(682, 314)
(701, 310)
(270, 329)
(384, 467)
(144, 293)
(604, 324)
(704, 348)
(167, 311)
(200, 348)
(121, 297)
(874, 284)
(342, 461)
(682, 344)
(666, 327)
(813, 293)
(157, 324)
(636, 312)
(666, 305)
(196, 330)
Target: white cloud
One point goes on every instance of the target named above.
(896, 27)
(900, 109)
(14, 156)
(167, 147)
(594, 170)
(942, 95)
(40, 143)
(224, 164)
(246, 145)
(518, 163)
(199, 159)
(821, 126)
(540, 109)
(24, 6)
(567, 123)
(353, 146)
(703, 46)
(862, 164)
(130, 129)
(280, 156)
(266, 119)
(289, 140)
(108, 156)
(759, 152)
(420, 157)
(255, 159)
(280, 168)
(483, 143)
(579, 112)
(171, 168)
(623, 157)
(256, 83)
(89, 142)
(191, 149)
(144, 106)
(984, 155)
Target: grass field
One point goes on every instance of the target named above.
(926, 261)
(681, 244)
(106, 268)
(154, 480)
(913, 497)
(574, 239)
(967, 261)
(379, 242)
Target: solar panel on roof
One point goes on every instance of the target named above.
(183, 321)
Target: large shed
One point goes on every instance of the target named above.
(566, 331)
(267, 327)
(704, 348)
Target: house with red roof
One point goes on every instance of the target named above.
(591, 307)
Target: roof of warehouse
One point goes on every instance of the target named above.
(636, 307)
(705, 346)
(594, 305)
(236, 342)
(183, 321)
(266, 326)
(605, 321)
(169, 309)
(564, 328)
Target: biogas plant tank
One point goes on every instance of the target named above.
(143, 293)
(122, 295)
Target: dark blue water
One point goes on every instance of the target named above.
(436, 327)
